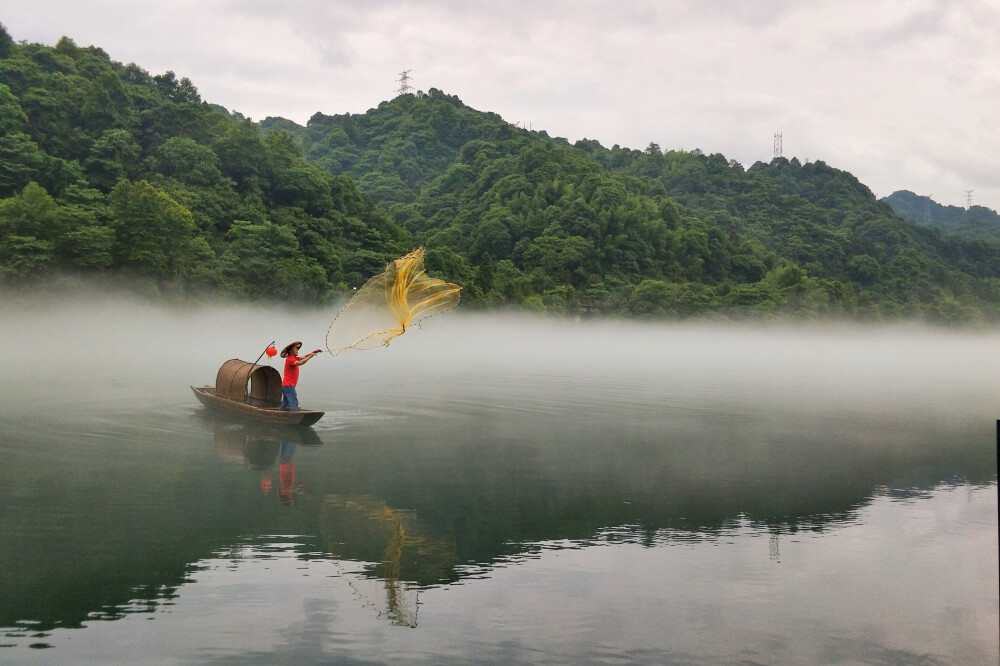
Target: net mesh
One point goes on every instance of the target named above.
(390, 303)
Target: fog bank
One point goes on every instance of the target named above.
(73, 350)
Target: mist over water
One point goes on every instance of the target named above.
(544, 472)
(890, 369)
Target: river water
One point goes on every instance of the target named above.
(495, 489)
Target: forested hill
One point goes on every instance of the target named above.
(106, 169)
(521, 217)
(973, 222)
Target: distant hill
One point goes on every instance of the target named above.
(974, 222)
(524, 218)
(392, 151)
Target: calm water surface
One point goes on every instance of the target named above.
(498, 490)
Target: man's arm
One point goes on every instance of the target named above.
(308, 356)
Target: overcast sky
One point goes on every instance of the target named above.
(904, 94)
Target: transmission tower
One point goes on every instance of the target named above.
(777, 144)
(404, 82)
(968, 199)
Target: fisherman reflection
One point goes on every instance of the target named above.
(287, 488)
(286, 474)
(260, 450)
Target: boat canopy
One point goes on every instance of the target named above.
(257, 385)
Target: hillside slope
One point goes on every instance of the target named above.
(108, 170)
(530, 219)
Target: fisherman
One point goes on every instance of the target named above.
(289, 398)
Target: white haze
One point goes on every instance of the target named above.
(130, 355)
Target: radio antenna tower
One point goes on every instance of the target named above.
(968, 199)
(777, 144)
(404, 82)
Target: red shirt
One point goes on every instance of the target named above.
(291, 377)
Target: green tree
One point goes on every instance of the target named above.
(106, 104)
(29, 226)
(263, 260)
(88, 248)
(243, 156)
(865, 269)
(12, 117)
(558, 257)
(6, 43)
(113, 156)
(651, 298)
(188, 161)
(21, 162)
(153, 233)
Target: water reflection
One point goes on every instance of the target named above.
(569, 494)
(368, 530)
(387, 540)
(411, 504)
(260, 447)
(257, 445)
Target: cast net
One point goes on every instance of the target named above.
(389, 304)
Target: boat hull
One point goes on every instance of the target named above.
(207, 396)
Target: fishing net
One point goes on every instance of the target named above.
(388, 304)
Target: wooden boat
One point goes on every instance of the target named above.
(253, 392)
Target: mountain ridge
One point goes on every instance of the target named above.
(108, 170)
(972, 222)
(820, 227)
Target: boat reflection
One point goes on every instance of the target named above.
(259, 448)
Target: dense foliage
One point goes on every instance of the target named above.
(106, 169)
(519, 217)
(972, 222)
